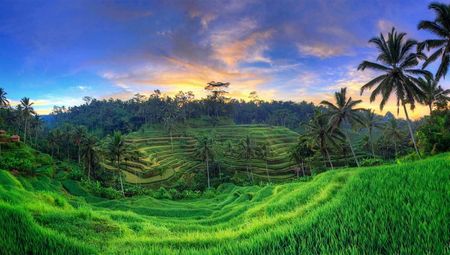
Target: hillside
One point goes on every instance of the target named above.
(393, 209)
(164, 160)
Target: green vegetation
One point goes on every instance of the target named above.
(400, 209)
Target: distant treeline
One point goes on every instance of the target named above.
(105, 116)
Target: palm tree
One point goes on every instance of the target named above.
(205, 152)
(319, 131)
(78, 135)
(342, 113)
(89, 152)
(117, 148)
(393, 132)
(169, 124)
(371, 122)
(4, 102)
(300, 152)
(27, 112)
(441, 28)
(248, 151)
(396, 61)
(432, 92)
(264, 153)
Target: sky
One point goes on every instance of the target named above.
(56, 52)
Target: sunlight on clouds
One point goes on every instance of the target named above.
(320, 50)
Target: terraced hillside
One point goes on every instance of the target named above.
(394, 209)
(163, 158)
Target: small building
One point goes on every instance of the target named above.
(15, 138)
(2, 132)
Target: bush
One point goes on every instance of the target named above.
(408, 158)
(434, 135)
(372, 162)
(162, 193)
(97, 189)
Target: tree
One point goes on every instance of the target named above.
(342, 113)
(4, 102)
(78, 135)
(264, 153)
(217, 96)
(393, 132)
(169, 121)
(27, 112)
(205, 152)
(441, 28)
(319, 131)
(396, 61)
(117, 148)
(300, 152)
(89, 152)
(433, 93)
(370, 122)
(248, 151)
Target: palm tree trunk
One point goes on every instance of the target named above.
(207, 171)
(89, 168)
(395, 148)
(267, 172)
(430, 105)
(303, 169)
(171, 140)
(351, 148)
(329, 159)
(371, 143)
(410, 130)
(25, 130)
(120, 178)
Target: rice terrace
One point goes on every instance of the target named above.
(213, 127)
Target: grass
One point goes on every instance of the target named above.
(392, 209)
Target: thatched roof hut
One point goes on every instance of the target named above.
(2, 132)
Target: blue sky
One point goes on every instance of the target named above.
(56, 52)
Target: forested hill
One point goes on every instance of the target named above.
(105, 116)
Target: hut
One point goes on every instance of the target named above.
(15, 138)
(2, 132)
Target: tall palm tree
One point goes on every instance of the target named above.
(78, 135)
(205, 152)
(433, 92)
(396, 61)
(117, 148)
(4, 102)
(393, 132)
(342, 113)
(89, 152)
(248, 151)
(370, 122)
(169, 124)
(27, 112)
(441, 28)
(264, 153)
(319, 131)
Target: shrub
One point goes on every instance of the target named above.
(162, 193)
(372, 162)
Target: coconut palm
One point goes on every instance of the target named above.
(433, 92)
(370, 122)
(264, 153)
(300, 152)
(27, 112)
(441, 28)
(4, 102)
(319, 131)
(116, 149)
(78, 134)
(89, 152)
(248, 151)
(169, 124)
(205, 152)
(342, 113)
(393, 133)
(396, 61)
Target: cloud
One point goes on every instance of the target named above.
(384, 26)
(321, 50)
